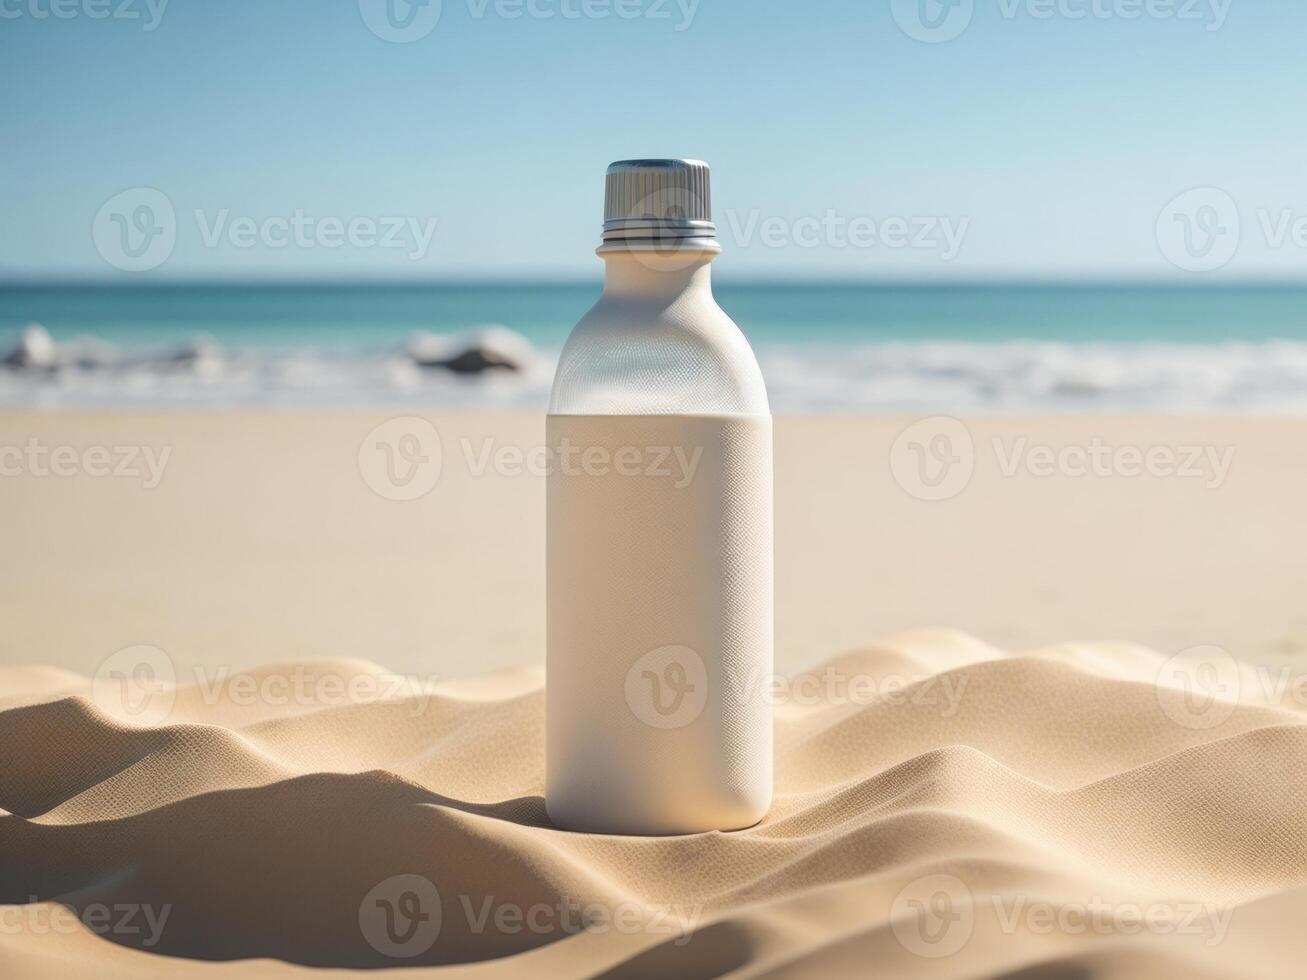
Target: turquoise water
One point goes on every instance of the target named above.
(378, 315)
(960, 348)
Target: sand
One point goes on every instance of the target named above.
(1021, 790)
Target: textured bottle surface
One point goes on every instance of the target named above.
(659, 622)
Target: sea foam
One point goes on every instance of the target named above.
(936, 377)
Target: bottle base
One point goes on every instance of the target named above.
(591, 819)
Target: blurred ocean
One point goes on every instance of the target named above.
(823, 348)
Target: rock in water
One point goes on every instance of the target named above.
(201, 354)
(487, 349)
(36, 350)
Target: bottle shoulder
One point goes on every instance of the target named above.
(628, 357)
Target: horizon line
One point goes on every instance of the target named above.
(290, 282)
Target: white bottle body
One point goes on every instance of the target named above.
(659, 562)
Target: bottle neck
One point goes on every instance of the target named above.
(652, 277)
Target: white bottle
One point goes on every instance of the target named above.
(659, 534)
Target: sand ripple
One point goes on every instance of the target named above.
(998, 814)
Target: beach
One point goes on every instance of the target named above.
(263, 541)
(647, 488)
(981, 650)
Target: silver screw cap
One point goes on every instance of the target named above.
(658, 204)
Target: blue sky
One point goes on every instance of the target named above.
(1043, 141)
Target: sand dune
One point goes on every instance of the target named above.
(952, 810)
